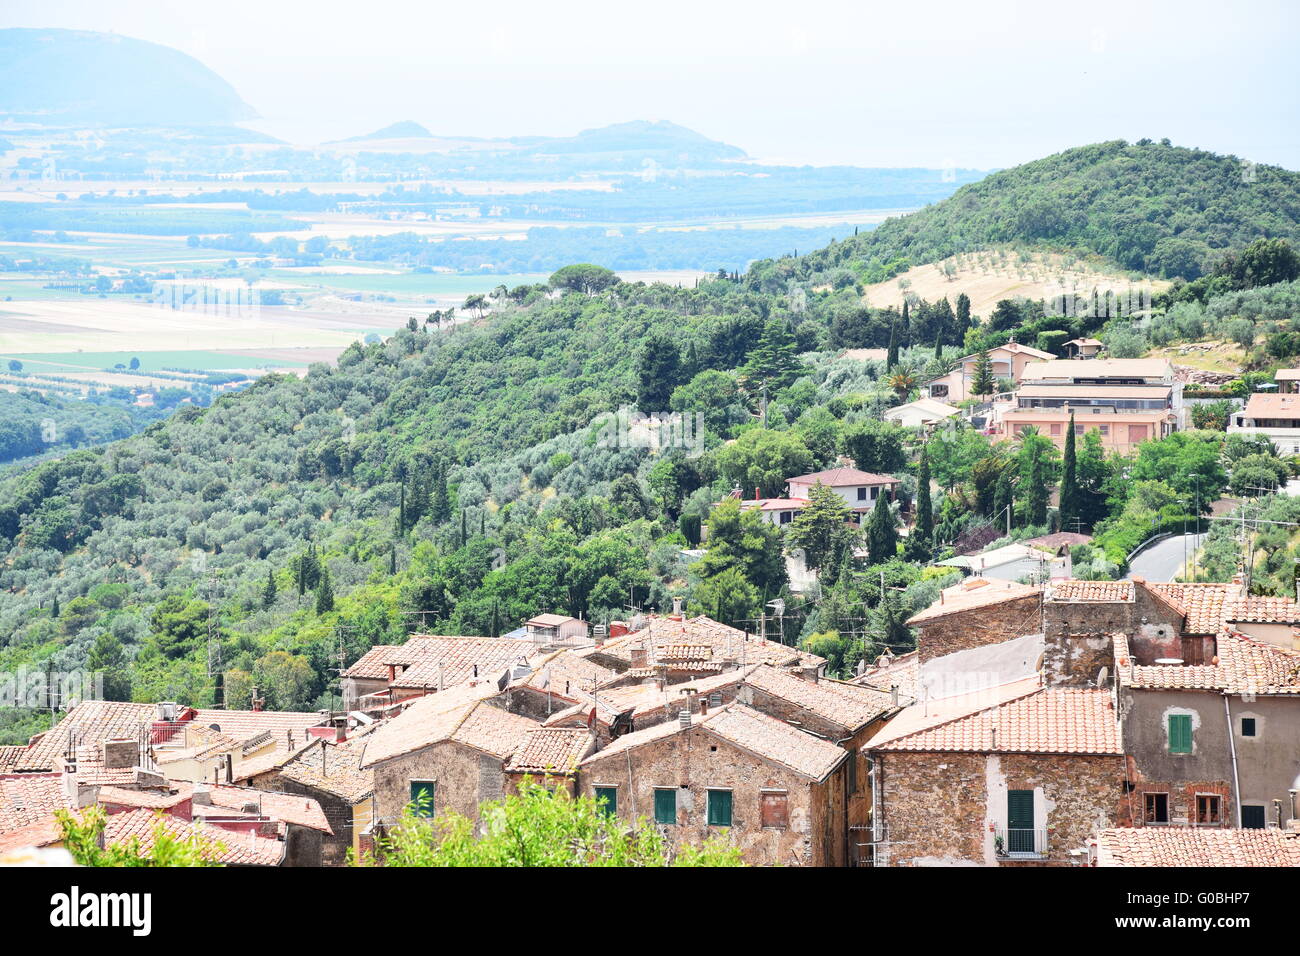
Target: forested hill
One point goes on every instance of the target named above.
(1152, 207)
(460, 478)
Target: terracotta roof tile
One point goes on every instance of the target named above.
(646, 699)
(974, 593)
(430, 663)
(1055, 720)
(333, 768)
(902, 671)
(1104, 591)
(846, 705)
(1197, 846)
(1244, 666)
(1202, 603)
(287, 807)
(30, 797)
(220, 845)
(550, 750)
(9, 757)
(727, 643)
(841, 477)
(435, 718)
(749, 730)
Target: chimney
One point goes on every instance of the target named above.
(639, 656)
(230, 768)
(1295, 811)
(677, 608)
(684, 717)
(392, 673)
(617, 629)
(202, 796)
(121, 754)
(893, 694)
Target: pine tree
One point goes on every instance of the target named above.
(938, 345)
(324, 593)
(1069, 482)
(775, 360)
(983, 383)
(882, 539)
(268, 592)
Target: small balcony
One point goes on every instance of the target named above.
(1017, 844)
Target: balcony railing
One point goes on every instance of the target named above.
(1020, 844)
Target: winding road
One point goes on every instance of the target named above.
(1165, 560)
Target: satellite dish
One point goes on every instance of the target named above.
(1103, 676)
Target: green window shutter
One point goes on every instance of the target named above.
(422, 795)
(666, 806)
(719, 808)
(608, 798)
(1180, 733)
(1020, 821)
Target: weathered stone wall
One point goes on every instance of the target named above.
(465, 778)
(979, 626)
(338, 813)
(942, 809)
(692, 762)
(1077, 659)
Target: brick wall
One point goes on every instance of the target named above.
(979, 626)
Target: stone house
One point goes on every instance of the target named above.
(974, 613)
(447, 749)
(331, 774)
(682, 648)
(427, 664)
(1212, 744)
(1010, 776)
(777, 792)
(549, 756)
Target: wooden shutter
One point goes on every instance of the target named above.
(719, 808)
(609, 797)
(1180, 733)
(422, 795)
(1020, 821)
(776, 809)
(666, 806)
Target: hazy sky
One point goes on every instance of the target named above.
(921, 83)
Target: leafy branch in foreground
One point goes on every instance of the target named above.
(538, 827)
(83, 838)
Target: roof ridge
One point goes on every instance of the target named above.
(928, 728)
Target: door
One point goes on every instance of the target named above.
(1020, 821)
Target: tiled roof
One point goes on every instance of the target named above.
(1057, 720)
(92, 772)
(9, 757)
(844, 704)
(371, 664)
(43, 832)
(273, 759)
(1244, 666)
(1098, 368)
(728, 643)
(1267, 610)
(153, 799)
(646, 699)
(30, 797)
(550, 750)
(492, 730)
(438, 717)
(219, 845)
(333, 768)
(974, 593)
(1103, 591)
(440, 662)
(902, 671)
(776, 741)
(1197, 846)
(842, 477)
(288, 807)
(565, 673)
(91, 722)
(1261, 405)
(245, 724)
(1202, 604)
(745, 728)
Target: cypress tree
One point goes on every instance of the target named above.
(891, 358)
(268, 592)
(324, 593)
(1037, 491)
(392, 559)
(906, 337)
(882, 539)
(1003, 498)
(924, 528)
(1069, 482)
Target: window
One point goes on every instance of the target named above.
(1156, 808)
(1104, 429)
(1248, 726)
(719, 808)
(1252, 817)
(1180, 733)
(422, 795)
(1208, 808)
(776, 809)
(862, 494)
(1020, 821)
(607, 797)
(665, 805)
(1056, 428)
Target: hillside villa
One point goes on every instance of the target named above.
(858, 489)
(1276, 417)
(1008, 361)
(1126, 401)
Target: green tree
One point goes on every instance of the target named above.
(324, 593)
(876, 446)
(820, 530)
(1069, 503)
(585, 278)
(763, 459)
(882, 536)
(268, 591)
(921, 540)
(742, 539)
(658, 374)
(983, 384)
(83, 838)
(774, 362)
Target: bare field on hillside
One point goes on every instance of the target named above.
(988, 277)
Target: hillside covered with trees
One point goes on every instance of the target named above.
(461, 480)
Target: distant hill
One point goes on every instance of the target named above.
(76, 77)
(1152, 207)
(406, 129)
(637, 136)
